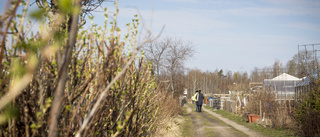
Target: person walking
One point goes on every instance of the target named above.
(199, 101)
(183, 101)
(194, 99)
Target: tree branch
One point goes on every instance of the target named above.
(63, 75)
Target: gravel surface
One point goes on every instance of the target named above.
(235, 125)
(208, 124)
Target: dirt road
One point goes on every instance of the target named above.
(209, 124)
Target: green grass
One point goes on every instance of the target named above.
(187, 126)
(272, 132)
(209, 132)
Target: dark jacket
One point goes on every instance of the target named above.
(200, 99)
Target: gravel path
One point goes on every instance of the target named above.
(235, 125)
(207, 125)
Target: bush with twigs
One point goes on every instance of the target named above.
(70, 81)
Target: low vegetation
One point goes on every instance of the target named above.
(187, 126)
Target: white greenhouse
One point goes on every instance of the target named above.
(283, 86)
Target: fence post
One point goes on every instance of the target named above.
(260, 108)
(236, 107)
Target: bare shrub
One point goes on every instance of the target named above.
(279, 112)
(170, 108)
(265, 98)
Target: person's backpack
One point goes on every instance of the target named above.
(194, 98)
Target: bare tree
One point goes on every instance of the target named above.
(194, 80)
(168, 56)
(301, 64)
(179, 51)
(277, 68)
(156, 53)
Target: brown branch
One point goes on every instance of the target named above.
(56, 106)
(39, 4)
(3, 43)
(78, 106)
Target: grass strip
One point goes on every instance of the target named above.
(187, 126)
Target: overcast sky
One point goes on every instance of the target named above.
(231, 35)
